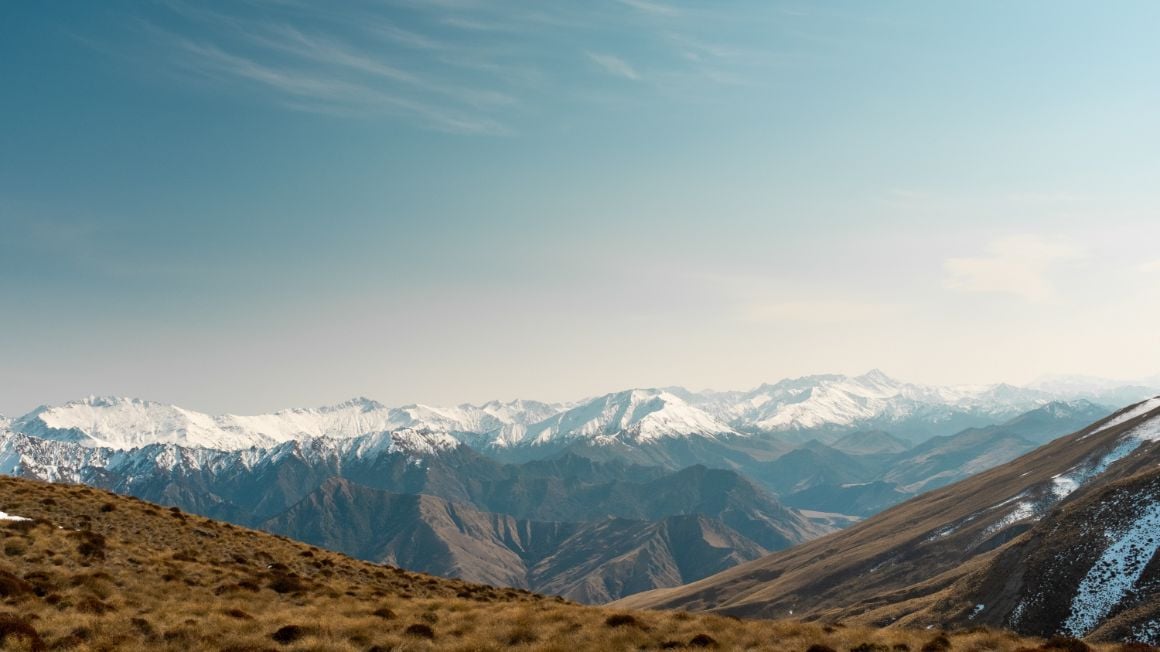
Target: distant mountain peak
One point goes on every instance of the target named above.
(635, 416)
(366, 404)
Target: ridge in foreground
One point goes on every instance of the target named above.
(92, 570)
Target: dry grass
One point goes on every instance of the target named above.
(102, 572)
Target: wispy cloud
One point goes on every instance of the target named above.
(1150, 267)
(654, 8)
(614, 65)
(1016, 265)
(305, 91)
(452, 65)
(330, 52)
(404, 37)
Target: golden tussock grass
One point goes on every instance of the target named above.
(95, 571)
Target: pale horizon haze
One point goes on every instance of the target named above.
(239, 207)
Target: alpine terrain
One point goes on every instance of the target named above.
(1062, 540)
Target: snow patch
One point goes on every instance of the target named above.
(1139, 410)
(1017, 614)
(1023, 511)
(1148, 632)
(4, 516)
(1065, 484)
(1115, 573)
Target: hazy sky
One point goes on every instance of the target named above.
(248, 205)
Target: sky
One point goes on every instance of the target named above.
(250, 205)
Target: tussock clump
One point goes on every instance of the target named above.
(238, 614)
(622, 620)
(91, 544)
(419, 630)
(870, 647)
(818, 647)
(522, 635)
(939, 643)
(384, 613)
(12, 586)
(94, 606)
(702, 640)
(184, 555)
(288, 583)
(144, 627)
(14, 628)
(287, 634)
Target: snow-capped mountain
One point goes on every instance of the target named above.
(638, 415)
(833, 401)
(71, 461)
(1100, 390)
(821, 406)
(124, 423)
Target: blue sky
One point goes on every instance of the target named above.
(240, 206)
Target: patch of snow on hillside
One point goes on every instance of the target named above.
(1017, 614)
(1115, 573)
(1023, 510)
(1066, 483)
(1139, 410)
(4, 516)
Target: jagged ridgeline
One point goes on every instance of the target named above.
(83, 569)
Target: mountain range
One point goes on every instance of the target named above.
(593, 500)
(827, 405)
(1062, 540)
(427, 502)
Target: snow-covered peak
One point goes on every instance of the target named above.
(357, 403)
(636, 414)
(125, 423)
(848, 401)
(410, 442)
(114, 422)
(868, 401)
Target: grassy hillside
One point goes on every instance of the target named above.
(97, 571)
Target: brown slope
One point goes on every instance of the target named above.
(1073, 572)
(614, 558)
(96, 571)
(587, 562)
(904, 555)
(419, 532)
